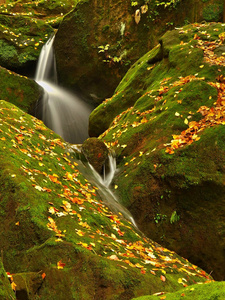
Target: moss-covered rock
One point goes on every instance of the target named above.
(96, 153)
(24, 27)
(19, 90)
(213, 290)
(168, 135)
(21, 39)
(51, 11)
(59, 237)
(100, 40)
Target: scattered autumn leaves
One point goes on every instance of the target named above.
(72, 198)
(211, 116)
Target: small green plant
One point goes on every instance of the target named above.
(174, 217)
(134, 3)
(103, 48)
(168, 3)
(159, 218)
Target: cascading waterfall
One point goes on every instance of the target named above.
(103, 185)
(68, 115)
(61, 111)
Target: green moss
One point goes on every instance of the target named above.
(213, 12)
(213, 290)
(21, 39)
(19, 90)
(7, 52)
(42, 189)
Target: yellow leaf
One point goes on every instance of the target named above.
(138, 265)
(13, 285)
(180, 280)
(80, 233)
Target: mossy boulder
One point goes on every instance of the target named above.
(57, 235)
(101, 40)
(96, 153)
(25, 27)
(168, 135)
(19, 90)
(213, 290)
(21, 40)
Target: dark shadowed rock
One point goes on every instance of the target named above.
(96, 153)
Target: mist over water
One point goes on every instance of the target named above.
(63, 112)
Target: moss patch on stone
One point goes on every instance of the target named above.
(19, 90)
(213, 290)
(96, 153)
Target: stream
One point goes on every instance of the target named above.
(68, 116)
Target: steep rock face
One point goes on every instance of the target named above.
(57, 235)
(98, 41)
(19, 90)
(169, 138)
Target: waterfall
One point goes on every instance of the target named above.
(103, 185)
(61, 111)
(68, 115)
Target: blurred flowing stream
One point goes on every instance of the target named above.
(68, 116)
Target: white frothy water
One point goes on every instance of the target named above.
(103, 185)
(61, 111)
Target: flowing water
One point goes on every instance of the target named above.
(68, 115)
(103, 185)
(61, 111)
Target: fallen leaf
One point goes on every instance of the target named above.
(60, 265)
